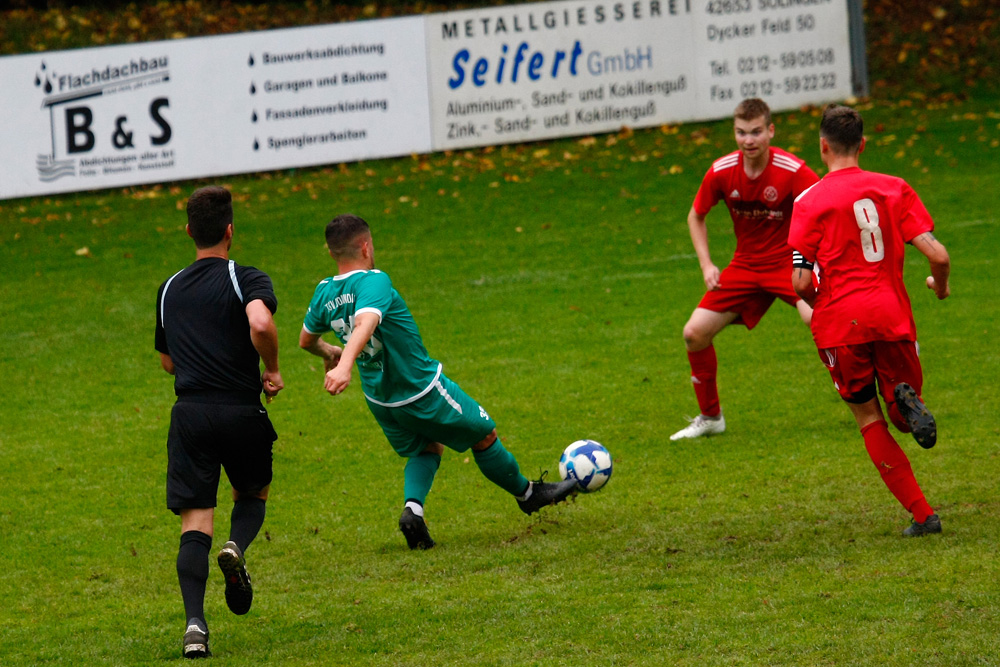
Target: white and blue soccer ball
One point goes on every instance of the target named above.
(588, 462)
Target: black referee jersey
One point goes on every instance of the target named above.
(201, 322)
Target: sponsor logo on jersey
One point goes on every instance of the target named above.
(735, 194)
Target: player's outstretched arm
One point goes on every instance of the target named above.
(339, 376)
(937, 256)
(314, 344)
(699, 239)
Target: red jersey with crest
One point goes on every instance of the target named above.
(855, 224)
(761, 207)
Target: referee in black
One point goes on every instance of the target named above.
(214, 325)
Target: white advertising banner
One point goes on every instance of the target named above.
(164, 111)
(528, 72)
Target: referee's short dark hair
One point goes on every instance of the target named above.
(209, 212)
(342, 231)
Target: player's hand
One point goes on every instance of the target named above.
(272, 384)
(330, 362)
(942, 293)
(711, 275)
(337, 379)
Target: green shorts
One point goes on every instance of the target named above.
(445, 414)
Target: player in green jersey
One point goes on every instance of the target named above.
(420, 410)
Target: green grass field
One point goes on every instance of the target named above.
(552, 280)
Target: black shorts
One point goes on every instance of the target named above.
(205, 436)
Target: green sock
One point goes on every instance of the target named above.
(418, 476)
(500, 467)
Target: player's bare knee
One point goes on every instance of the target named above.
(485, 442)
(696, 339)
(200, 519)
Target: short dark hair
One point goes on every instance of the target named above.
(753, 107)
(342, 231)
(209, 212)
(843, 129)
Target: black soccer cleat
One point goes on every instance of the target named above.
(921, 421)
(547, 493)
(239, 591)
(931, 525)
(196, 640)
(415, 531)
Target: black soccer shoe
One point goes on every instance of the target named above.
(547, 493)
(921, 421)
(415, 531)
(196, 640)
(931, 525)
(239, 591)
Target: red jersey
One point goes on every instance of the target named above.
(855, 224)
(761, 208)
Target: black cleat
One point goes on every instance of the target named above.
(196, 640)
(916, 414)
(931, 525)
(239, 591)
(547, 493)
(415, 530)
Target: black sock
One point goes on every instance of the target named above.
(246, 520)
(192, 571)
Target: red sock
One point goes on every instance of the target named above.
(896, 418)
(704, 367)
(895, 469)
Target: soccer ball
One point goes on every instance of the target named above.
(588, 462)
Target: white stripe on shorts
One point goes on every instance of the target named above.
(444, 393)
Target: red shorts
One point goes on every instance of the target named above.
(749, 293)
(856, 369)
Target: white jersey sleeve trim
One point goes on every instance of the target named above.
(370, 310)
(726, 162)
(236, 284)
(426, 390)
(163, 299)
(787, 163)
(804, 192)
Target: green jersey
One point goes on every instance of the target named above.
(394, 366)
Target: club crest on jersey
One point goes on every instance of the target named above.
(771, 193)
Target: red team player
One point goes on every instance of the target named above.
(758, 183)
(855, 224)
